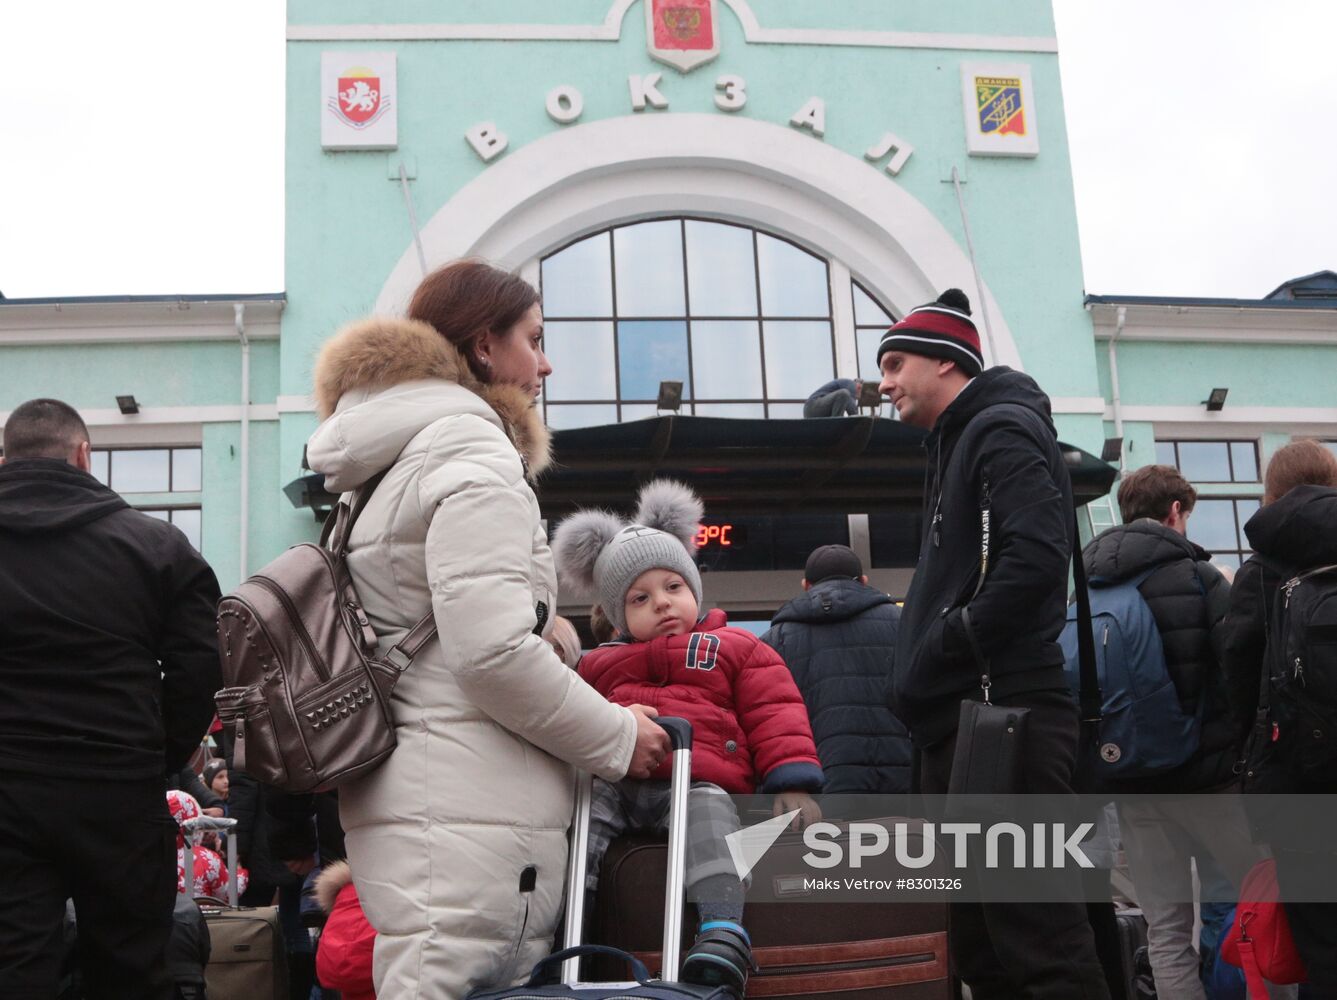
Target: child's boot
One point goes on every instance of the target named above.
(721, 955)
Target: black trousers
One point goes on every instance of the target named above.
(109, 846)
(1025, 951)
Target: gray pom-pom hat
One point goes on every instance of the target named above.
(596, 552)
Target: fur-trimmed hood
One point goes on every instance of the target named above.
(331, 879)
(369, 361)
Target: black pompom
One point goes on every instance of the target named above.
(954, 298)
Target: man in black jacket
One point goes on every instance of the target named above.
(1189, 599)
(837, 640)
(108, 666)
(971, 631)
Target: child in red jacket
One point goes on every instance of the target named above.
(750, 725)
(343, 957)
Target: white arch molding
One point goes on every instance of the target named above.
(583, 178)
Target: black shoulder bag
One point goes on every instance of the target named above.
(990, 739)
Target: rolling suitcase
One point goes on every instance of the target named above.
(641, 986)
(842, 949)
(248, 958)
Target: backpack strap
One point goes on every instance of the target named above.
(339, 524)
(1088, 695)
(1253, 975)
(335, 535)
(401, 654)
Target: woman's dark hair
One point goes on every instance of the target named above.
(467, 298)
(1301, 463)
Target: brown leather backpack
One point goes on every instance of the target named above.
(308, 695)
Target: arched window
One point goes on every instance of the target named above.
(870, 323)
(741, 317)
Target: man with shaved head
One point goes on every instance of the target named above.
(108, 664)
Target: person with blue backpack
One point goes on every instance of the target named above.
(1158, 608)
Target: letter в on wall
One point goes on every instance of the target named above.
(487, 141)
(645, 89)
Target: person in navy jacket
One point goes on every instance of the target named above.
(751, 729)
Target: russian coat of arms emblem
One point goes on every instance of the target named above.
(682, 33)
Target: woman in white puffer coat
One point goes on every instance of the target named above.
(458, 841)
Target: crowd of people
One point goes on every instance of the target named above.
(441, 871)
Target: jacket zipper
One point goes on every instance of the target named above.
(1290, 586)
(303, 636)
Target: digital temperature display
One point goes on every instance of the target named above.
(720, 536)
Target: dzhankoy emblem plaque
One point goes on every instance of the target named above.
(999, 103)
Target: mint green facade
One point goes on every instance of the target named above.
(879, 67)
(347, 223)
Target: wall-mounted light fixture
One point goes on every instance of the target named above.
(1216, 400)
(670, 396)
(127, 404)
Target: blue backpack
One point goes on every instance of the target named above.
(1143, 729)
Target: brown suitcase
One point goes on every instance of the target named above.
(248, 957)
(841, 949)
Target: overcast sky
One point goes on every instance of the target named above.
(141, 149)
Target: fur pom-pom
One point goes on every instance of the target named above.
(671, 507)
(576, 545)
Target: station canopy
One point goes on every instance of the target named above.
(846, 465)
(834, 465)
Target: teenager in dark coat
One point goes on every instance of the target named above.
(1188, 598)
(1165, 834)
(837, 639)
(1295, 530)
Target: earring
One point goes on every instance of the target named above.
(486, 363)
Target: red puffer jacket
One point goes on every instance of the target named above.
(750, 727)
(343, 957)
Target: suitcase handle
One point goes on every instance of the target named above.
(638, 969)
(680, 738)
(679, 731)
